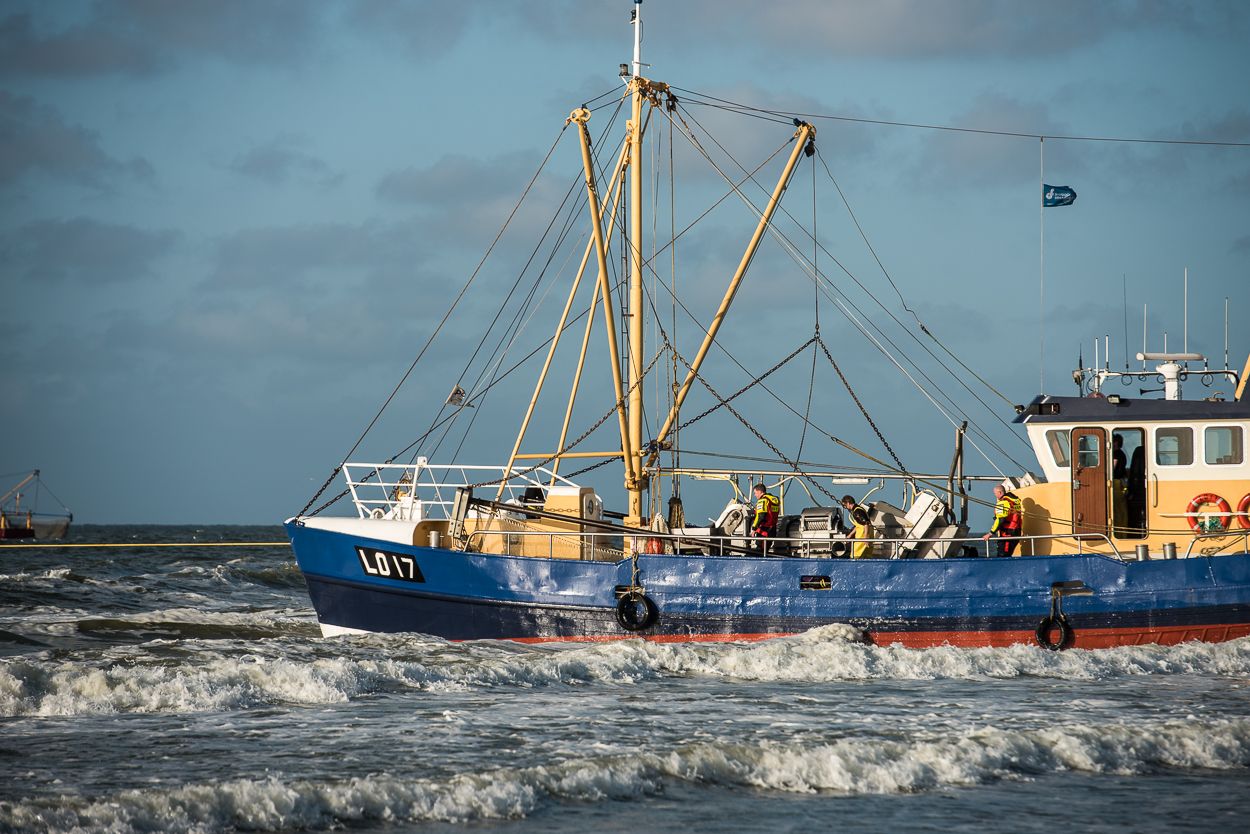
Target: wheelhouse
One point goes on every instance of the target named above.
(1139, 471)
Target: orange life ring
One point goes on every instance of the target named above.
(1209, 498)
(1243, 511)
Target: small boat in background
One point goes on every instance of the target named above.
(18, 521)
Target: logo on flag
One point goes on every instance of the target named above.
(1057, 195)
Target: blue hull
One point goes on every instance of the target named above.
(969, 602)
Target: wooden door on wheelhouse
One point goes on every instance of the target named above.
(1089, 480)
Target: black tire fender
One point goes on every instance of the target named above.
(635, 611)
(1051, 623)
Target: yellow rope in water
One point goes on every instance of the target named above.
(156, 544)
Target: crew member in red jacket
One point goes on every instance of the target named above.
(1007, 521)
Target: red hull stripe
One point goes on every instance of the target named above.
(1091, 638)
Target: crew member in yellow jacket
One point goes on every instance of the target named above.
(861, 533)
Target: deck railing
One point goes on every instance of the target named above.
(421, 490)
(610, 546)
(1243, 534)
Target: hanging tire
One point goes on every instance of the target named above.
(1057, 623)
(635, 611)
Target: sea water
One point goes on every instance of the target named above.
(188, 689)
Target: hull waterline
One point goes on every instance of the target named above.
(914, 603)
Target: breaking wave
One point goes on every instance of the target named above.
(849, 766)
(196, 676)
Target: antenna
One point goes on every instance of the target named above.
(1143, 334)
(1124, 285)
(1185, 344)
(1225, 331)
(636, 19)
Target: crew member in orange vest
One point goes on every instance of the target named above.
(767, 508)
(1007, 521)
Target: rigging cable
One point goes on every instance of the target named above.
(446, 418)
(780, 454)
(507, 476)
(923, 328)
(793, 251)
(573, 187)
(439, 328)
(811, 383)
(748, 110)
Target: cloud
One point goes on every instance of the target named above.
(970, 159)
(306, 254)
(143, 37)
(74, 51)
(36, 138)
(464, 201)
(424, 29)
(1212, 170)
(897, 28)
(84, 251)
(458, 180)
(281, 161)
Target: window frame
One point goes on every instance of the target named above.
(1057, 439)
(1237, 444)
(1164, 431)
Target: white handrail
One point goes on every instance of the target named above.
(711, 541)
(421, 487)
(1243, 534)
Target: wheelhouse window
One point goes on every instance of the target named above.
(1087, 451)
(1174, 447)
(1060, 446)
(1128, 486)
(1222, 445)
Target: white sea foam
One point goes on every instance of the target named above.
(39, 576)
(212, 680)
(813, 657)
(851, 766)
(43, 687)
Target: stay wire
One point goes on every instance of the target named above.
(746, 424)
(793, 251)
(455, 303)
(923, 328)
(572, 445)
(504, 306)
(748, 110)
(572, 189)
(438, 424)
(729, 355)
(811, 383)
(860, 405)
(518, 324)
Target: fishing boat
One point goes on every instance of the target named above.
(1135, 523)
(20, 520)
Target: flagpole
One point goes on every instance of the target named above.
(1041, 265)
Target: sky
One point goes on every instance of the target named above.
(227, 228)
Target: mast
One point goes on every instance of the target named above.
(16, 490)
(633, 483)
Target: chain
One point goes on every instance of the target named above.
(862, 410)
(749, 385)
(780, 455)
